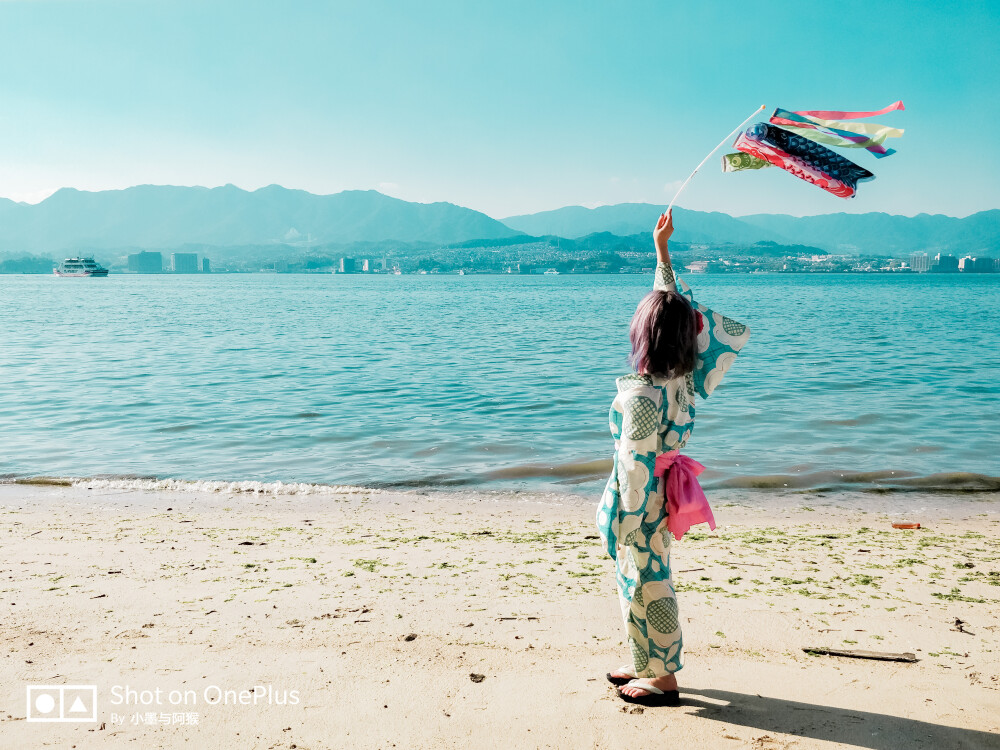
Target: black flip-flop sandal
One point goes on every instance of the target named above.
(617, 681)
(653, 698)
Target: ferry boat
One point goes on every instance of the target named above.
(551, 272)
(79, 267)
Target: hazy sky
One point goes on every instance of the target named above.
(506, 107)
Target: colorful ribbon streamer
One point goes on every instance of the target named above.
(740, 161)
(832, 139)
(870, 129)
(833, 115)
(834, 136)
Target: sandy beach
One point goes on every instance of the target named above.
(378, 619)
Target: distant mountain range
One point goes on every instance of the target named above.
(874, 233)
(169, 218)
(156, 217)
(638, 218)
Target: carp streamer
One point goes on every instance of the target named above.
(797, 142)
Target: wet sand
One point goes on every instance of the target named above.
(375, 619)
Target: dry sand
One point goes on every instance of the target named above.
(375, 610)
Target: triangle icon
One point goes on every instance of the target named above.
(77, 707)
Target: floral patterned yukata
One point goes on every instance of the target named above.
(649, 416)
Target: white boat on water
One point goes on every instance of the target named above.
(79, 267)
(551, 272)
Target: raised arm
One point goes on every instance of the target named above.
(664, 279)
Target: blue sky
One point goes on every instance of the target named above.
(506, 107)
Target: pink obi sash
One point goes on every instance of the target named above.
(686, 501)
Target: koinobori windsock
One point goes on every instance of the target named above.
(750, 144)
(799, 146)
(740, 161)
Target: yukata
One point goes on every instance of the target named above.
(651, 415)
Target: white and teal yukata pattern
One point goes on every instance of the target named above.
(649, 416)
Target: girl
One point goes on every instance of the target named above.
(679, 348)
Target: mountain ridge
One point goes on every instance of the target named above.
(147, 216)
(159, 217)
(874, 232)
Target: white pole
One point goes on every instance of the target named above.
(721, 144)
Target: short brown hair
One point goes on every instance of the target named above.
(663, 334)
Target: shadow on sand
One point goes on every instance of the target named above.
(858, 728)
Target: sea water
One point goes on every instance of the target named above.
(489, 381)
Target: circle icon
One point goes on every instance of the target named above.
(44, 703)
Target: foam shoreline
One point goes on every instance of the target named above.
(565, 477)
(936, 496)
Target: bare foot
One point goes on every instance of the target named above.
(667, 683)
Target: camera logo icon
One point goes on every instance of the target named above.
(62, 703)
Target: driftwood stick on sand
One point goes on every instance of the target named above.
(859, 654)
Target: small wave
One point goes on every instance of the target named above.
(44, 481)
(882, 481)
(178, 428)
(956, 481)
(583, 470)
(860, 421)
(887, 480)
(566, 475)
(203, 486)
(430, 482)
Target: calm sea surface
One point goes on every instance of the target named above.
(488, 381)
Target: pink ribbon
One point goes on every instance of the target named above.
(831, 115)
(686, 501)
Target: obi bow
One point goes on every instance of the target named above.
(686, 501)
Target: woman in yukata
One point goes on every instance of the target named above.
(680, 349)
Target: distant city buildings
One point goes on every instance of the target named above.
(920, 262)
(983, 265)
(26, 264)
(541, 258)
(152, 262)
(945, 264)
(185, 262)
(145, 262)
